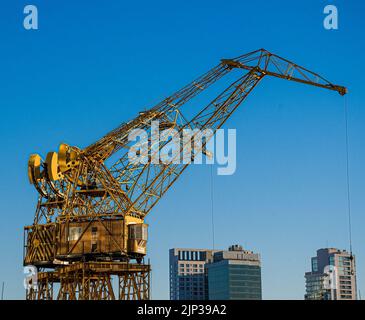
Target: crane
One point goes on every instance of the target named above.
(92, 204)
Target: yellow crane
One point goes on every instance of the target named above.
(89, 223)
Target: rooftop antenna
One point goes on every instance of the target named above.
(2, 290)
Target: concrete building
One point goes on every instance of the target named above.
(234, 275)
(201, 274)
(332, 276)
(187, 273)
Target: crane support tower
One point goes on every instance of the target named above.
(88, 238)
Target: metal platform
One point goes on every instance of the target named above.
(93, 281)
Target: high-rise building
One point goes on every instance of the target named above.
(187, 273)
(201, 274)
(234, 275)
(332, 276)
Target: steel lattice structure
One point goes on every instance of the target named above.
(91, 210)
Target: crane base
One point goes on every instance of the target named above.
(93, 281)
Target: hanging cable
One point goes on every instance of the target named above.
(212, 202)
(348, 174)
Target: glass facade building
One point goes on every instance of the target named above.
(228, 280)
(199, 274)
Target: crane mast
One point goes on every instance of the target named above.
(92, 202)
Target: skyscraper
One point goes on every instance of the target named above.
(332, 276)
(200, 274)
(234, 275)
(187, 273)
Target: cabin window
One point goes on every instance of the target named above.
(138, 231)
(94, 233)
(74, 233)
(94, 247)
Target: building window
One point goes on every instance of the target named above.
(332, 260)
(314, 264)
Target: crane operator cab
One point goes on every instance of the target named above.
(137, 240)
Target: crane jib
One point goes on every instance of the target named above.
(94, 201)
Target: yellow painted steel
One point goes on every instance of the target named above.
(34, 168)
(53, 166)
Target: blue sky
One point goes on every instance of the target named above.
(91, 66)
